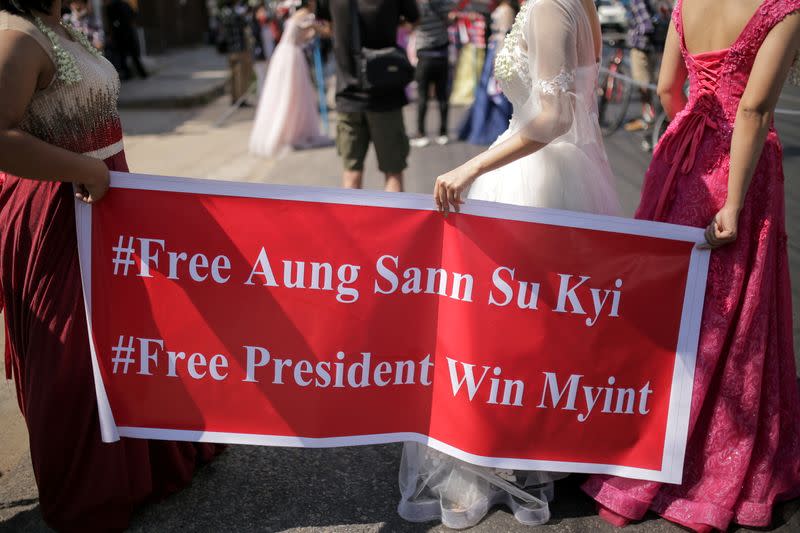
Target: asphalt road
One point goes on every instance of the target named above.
(337, 490)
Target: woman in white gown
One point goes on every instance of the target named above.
(552, 156)
(287, 115)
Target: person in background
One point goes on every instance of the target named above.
(80, 16)
(233, 41)
(263, 44)
(471, 31)
(287, 115)
(433, 69)
(366, 116)
(123, 38)
(646, 41)
(491, 111)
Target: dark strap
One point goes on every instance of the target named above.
(355, 30)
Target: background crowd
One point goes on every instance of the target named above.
(120, 43)
(450, 44)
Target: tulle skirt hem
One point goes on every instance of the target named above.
(435, 486)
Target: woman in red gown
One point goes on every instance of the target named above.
(59, 128)
(719, 166)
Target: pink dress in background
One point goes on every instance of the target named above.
(287, 114)
(743, 453)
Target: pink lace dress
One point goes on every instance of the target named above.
(743, 453)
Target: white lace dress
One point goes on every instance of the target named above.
(548, 70)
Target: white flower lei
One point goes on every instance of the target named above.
(505, 64)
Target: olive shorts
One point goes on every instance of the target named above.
(386, 130)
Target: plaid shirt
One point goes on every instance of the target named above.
(641, 24)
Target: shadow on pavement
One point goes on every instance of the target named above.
(353, 489)
(29, 521)
(18, 503)
(347, 489)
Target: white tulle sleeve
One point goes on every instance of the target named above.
(551, 38)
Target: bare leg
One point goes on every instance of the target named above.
(394, 182)
(352, 179)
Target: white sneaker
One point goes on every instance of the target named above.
(441, 140)
(419, 142)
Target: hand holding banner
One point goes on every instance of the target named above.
(505, 336)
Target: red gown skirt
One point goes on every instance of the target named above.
(84, 484)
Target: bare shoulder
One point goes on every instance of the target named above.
(20, 50)
(785, 34)
(773, 63)
(23, 58)
(790, 24)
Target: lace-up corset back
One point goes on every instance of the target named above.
(717, 79)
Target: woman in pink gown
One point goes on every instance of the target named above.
(287, 115)
(59, 126)
(743, 453)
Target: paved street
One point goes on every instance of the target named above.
(338, 490)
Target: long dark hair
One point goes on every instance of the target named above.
(26, 7)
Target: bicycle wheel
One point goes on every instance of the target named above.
(659, 128)
(614, 96)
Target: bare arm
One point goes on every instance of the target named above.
(757, 106)
(753, 119)
(550, 123)
(672, 76)
(24, 67)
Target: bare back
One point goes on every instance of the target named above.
(711, 25)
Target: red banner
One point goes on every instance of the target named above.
(505, 336)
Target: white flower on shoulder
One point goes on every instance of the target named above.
(508, 61)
